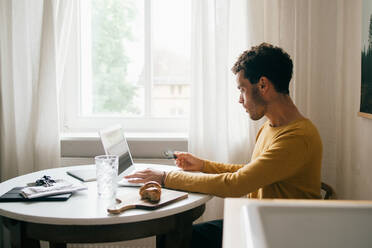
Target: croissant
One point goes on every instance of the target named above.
(150, 191)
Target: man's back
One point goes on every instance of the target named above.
(304, 180)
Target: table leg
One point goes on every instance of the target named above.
(57, 245)
(180, 239)
(180, 236)
(18, 238)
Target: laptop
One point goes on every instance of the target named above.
(114, 143)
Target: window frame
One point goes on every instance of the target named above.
(77, 73)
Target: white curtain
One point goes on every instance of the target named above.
(219, 129)
(323, 41)
(33, 41)
(323, 38)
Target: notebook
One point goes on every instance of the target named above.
(14, 195)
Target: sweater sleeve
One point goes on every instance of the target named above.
(217, 168)
(281, 160)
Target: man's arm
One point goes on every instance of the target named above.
(190, 162)
(211, 167)
(282, 160)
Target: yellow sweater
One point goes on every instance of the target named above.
(286, 163)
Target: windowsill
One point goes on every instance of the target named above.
(130, 136)
(142, 145)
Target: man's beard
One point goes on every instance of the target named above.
(259, 103)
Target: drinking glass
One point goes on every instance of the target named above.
(107, 173)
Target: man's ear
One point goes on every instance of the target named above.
(263, 84)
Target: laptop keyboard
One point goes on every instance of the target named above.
(124, 182)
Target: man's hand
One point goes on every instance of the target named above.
(146, 175)
(188, 162)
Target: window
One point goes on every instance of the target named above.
(131, 56)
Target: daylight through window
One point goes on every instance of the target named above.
(135, 58)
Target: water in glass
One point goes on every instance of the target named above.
(107, 172)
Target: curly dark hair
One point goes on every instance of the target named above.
(269, 61)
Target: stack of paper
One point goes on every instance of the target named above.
(59, 187)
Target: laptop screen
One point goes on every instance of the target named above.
(115, 143)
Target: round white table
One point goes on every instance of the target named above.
(84, 219)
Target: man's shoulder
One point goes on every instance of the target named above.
(302, 127)
(304, 130)
(307, 127)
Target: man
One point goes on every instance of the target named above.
(286, 161)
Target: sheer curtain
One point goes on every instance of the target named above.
(219, 129)
(33, 41)
(322, 40)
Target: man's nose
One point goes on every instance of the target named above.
(241, 99)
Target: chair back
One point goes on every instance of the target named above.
(329, 193)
